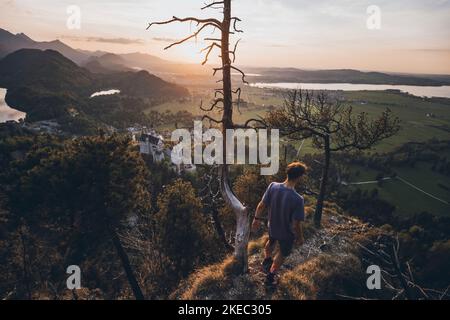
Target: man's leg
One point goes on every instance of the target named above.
(277, 262)
(283, 253)
(268, 249)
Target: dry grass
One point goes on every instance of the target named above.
(209, 281)
(323, 277)
(327, 265)
(257, 245)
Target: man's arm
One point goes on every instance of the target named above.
(298, 228)
(258, 216)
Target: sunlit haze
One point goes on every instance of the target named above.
(414, 35)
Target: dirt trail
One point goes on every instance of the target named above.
(334, 238)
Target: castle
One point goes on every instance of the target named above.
(152, 144)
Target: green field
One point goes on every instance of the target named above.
(412, 111)
(416, 127)
(405, 198)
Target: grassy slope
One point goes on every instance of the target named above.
(312, 271)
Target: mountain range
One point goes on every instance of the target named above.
(12, 42)
(104, 62)
(98, 61)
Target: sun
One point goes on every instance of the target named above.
(192, 52)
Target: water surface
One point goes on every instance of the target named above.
(105, 93)
(420, 91)
(7, 113)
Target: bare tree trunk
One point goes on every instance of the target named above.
(242, 221)
(126, 265)
(241, 212)
(323, 183)
(242, 218)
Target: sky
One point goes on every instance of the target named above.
(413, 35)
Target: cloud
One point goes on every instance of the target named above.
(105, 40)
(164, 39)
(432, 50)
(277, 46)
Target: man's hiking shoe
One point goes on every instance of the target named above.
(266, 265)
(270, 280)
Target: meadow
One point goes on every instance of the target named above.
(422, 119)
(405, 198)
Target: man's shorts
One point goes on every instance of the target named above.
(285, 246)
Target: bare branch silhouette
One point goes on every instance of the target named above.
(213, 5)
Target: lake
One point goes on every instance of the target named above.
(7, 113)
(105, 93)
(420, 91)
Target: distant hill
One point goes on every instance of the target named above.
(100, 61)
(163, 67)
(12, 42)
(144, 61)
(107, 63)
(143, 84)
(47, 70)
(344, 76)
(45, 84)
(51, 71)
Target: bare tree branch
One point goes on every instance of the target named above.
(206, 117)
(194, 35)
(241, 72)
(235, 21)
(209, 48)
(214, 105)
(210, 21)
(234, 50)
(213, 5)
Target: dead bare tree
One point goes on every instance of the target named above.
(332, 127)
(224, 102)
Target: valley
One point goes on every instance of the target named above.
(108, 93)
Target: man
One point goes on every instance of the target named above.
(286, 214)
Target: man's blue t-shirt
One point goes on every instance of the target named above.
(284, 205)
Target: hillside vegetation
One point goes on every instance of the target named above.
(46, 85)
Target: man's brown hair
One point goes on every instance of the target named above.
(296, 170)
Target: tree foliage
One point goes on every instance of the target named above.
(68, 201)
(183, 232)
(332, 126)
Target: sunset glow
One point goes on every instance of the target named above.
(329, 34)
